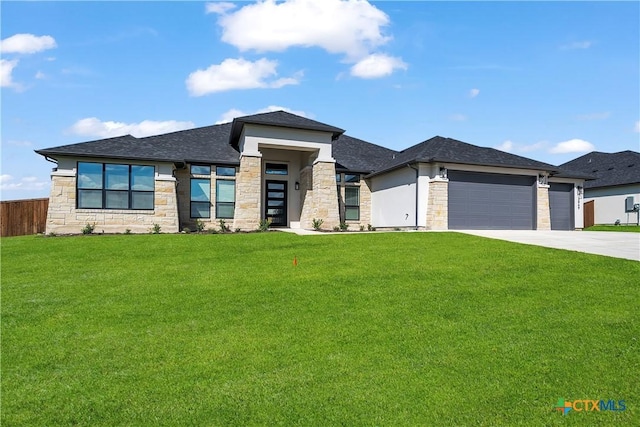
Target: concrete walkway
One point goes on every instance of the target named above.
(613, 244)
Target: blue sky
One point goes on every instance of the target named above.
(546, 80)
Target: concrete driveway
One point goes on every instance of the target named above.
(613, 244)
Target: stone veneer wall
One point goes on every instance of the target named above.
(365, 204)
(438, 205)
(543, 221)
(325, 196)
(248, 194)
(63, 217)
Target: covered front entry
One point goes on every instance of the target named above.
(487, 201)
(561, 206)
(276, 203)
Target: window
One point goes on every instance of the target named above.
(115, 186)
(225, 171)
(225, 198)
(200, 198)
(350, 177)
(200, 170)
(337, 177)
(352, 203)
(276, 169)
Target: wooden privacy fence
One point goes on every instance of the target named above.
(22, 217)
(589, 217)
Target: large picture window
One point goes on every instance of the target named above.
(225, 198)
(200, 198)
(352, 203)
(115, 186)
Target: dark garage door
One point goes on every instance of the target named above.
(485, 201)
(561, 206)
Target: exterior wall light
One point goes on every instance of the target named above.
(443, 172)
(297, 185)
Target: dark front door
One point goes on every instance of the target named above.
(276, 203)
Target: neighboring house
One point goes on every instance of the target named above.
(291, 170)
(617, 177)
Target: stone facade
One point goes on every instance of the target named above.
(325, 196)
(64, 218)
(365, 205)
(248, 194)
(319, 198)
(438, 205)
(543, 216)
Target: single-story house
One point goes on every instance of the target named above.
(617, 179)
(291, 170)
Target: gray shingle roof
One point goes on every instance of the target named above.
(356, 155)
(280, 119)
(206, 144)
(609, 169)
(447, 150)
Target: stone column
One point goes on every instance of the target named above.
(248, 194)
(62, 201)
(543, 216)
(438, 205)
(325, 195)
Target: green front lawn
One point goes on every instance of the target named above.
(623, 228)
(368, 329)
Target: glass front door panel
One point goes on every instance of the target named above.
(276, 203)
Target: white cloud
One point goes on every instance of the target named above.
(352, 27)
(474, 92)
(40, 75)
(237, 74)
(458, 117)
(94, 127)
(228, 116)
(572, 146)
(637, 126)
(6, 68)
(512, 147)
(219, 8)
(26, 43)
(594, 116)
(377, 65)
(505, 146)
(586, 44)
(28, 183)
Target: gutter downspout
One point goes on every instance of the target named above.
(417, 193)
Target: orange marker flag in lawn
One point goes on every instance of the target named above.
(295, 261)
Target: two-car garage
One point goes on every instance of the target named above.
(489, 201)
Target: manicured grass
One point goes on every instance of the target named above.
(623, 228)
(368, 329)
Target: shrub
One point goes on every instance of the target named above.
(127, 231)
(362, 228)
(52, 234)
(88, 229)
(264, 224)
(223, 226)
(156, 229)
(199, 225)
(317, 223)
(238, 230)
(336, 228)
(212, 230)
(370, 227)
(344, 226)
(186, 230)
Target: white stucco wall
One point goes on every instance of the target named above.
(255, 136)
(609, 203)
(393, 199)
